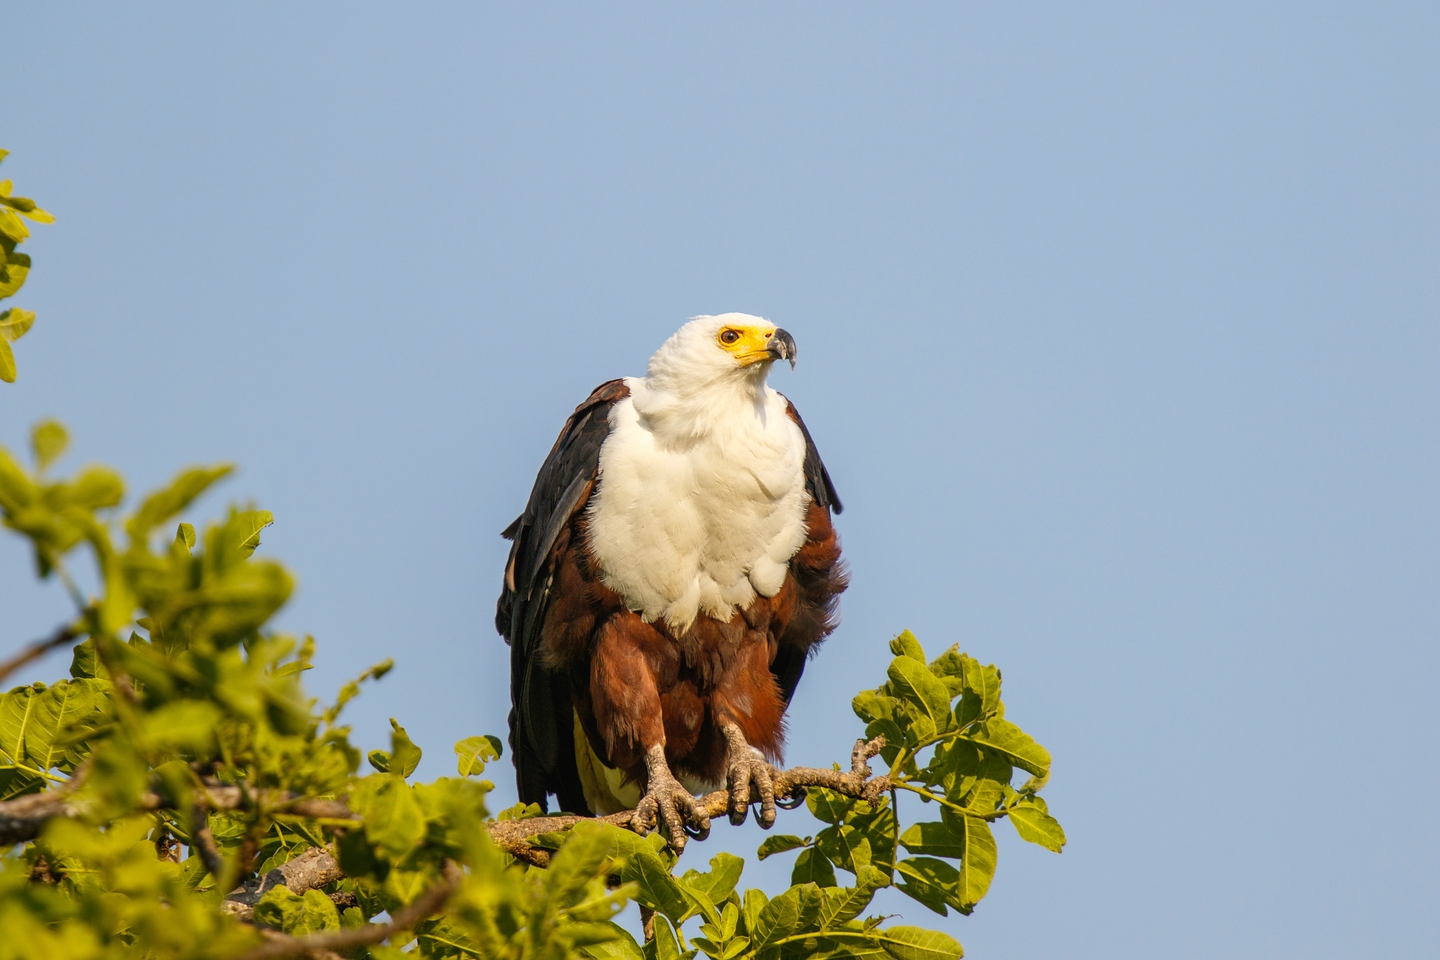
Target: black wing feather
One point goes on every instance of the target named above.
(817, 478)
(541, 724)
(789, 663)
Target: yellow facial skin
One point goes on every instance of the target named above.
(747, 344)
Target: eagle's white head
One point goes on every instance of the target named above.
(732, 348)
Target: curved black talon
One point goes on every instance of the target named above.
(796, 797)
(695, 833)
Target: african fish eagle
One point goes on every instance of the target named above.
(672, 571)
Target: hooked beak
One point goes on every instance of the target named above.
(781, 346)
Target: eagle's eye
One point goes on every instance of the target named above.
(729, 336)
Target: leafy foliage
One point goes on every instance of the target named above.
(179, 691)
(181, 769)
(14, 268)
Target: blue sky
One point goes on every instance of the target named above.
(1117, 330)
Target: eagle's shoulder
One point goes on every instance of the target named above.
(817, 478)
(562, 486)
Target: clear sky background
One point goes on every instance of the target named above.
(1117, 329)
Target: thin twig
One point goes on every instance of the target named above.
(205, 845)
(39, 648)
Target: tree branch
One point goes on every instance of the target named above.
(311, 870)
(205, 844)
(425, 905)
(22, 818)
(513, 836)
(39, 648)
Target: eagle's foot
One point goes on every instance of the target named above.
(668, 806)
(750, 779)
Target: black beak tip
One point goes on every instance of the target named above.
(782, 346)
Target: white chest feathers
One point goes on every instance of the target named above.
(698, 510)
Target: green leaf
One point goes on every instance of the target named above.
(164, 504)
(57, 714)
(8, 370)
(379, 759)
(404, 755)
(14, 271)
(118, 604)
(623, 947)
(183, 725)
(238, 538)
(968, 709)
(950, 668)
(846, 903)
(719, 882)
(1033, 822)
(239, 601)
(438, 933)
(48, 440)
(658, 890)
(11, 226)
(978, 867)
(932, 882)
(923, 693)
(916, 943)
(878, 826)
(935, 838)
(15, 782)
(846, 846)
(828, 805)
(905, 645)
(666, 946)
(1015, 745)
(97, 488)
(15, 323)
(16, 710)
(356, 857)
(872, 705)
(788, 913)
(394, 821)
(983, 682)
(779, 843)
(580, 860)
(750, 906)
(812, 866)
(185, 537)
(473, 753)
(297, 915)
(83, 663)
(16, 488)
(984, 788)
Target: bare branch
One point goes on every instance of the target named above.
(22, 818)
(513, 836)
(62, 635)
(311, 870)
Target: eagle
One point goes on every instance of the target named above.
(674, 568)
